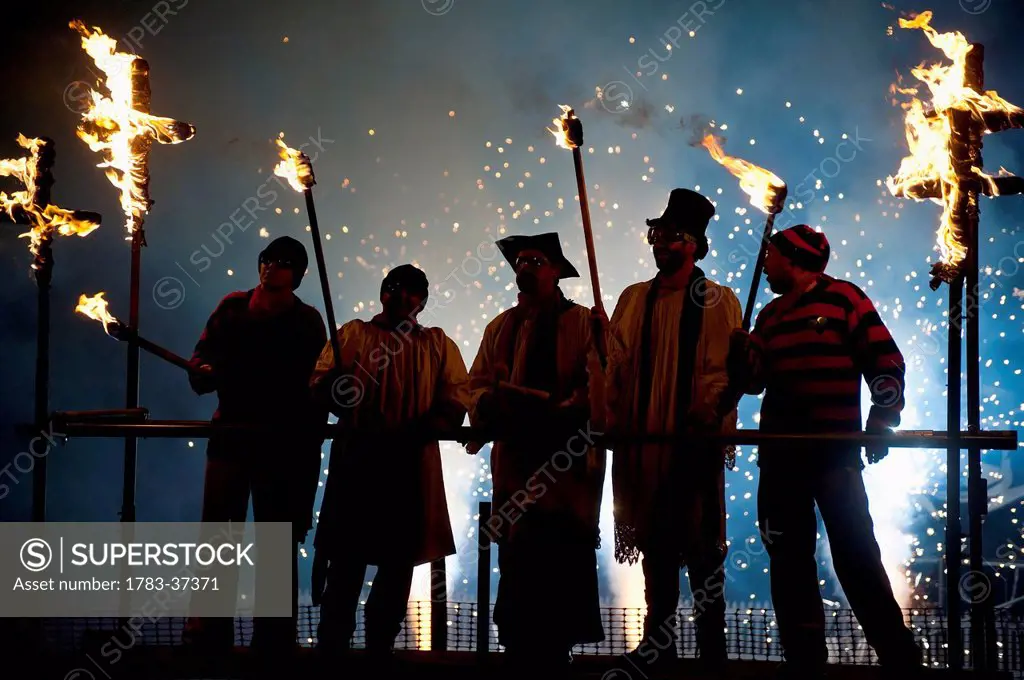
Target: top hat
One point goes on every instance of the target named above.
(690, 212)
(687, 210)
(548, 243)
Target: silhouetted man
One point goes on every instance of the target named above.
(384, 504)
(531, 378)
(257, 352)
(809, 351)
(667, 354)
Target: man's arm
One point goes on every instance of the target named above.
(334, 387)
(879, 360)
(310, 464)
(720, 321)
(747, 355)
(452, 402)
(618, 363)
(319, 344)
(482, 379)
(587, 380)
(206, 352)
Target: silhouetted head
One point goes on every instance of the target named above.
(282, 264)
(403, 293)
(795, 255)
(538, 262)
(679, 236)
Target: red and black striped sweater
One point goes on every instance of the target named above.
(814, 354)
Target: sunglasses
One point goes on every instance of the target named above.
(532, 261)
(657, 235)
(282, 262)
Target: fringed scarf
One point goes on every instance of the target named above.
(690, 323)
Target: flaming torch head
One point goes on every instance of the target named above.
(95, 307)
(767, 191)
(937, 154)
(32, 206)
(295, 167)
(120, 127)
(568, 130)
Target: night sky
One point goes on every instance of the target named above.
(426, 125)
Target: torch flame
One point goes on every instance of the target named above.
(929, 133)
(95, 307)
(119, 128)
(294, 167)
(561, 132)
(44, 219)
(762, 186)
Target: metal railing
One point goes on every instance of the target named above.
(134, 423)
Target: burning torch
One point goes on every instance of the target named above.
(120, 127)
(569, 135)
(32, 206)
(95, 307)
(767, 193)
(296, 167)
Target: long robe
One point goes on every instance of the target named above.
(386, 502)
(546, 505)
(648, 478)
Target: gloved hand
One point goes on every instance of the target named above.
(318, 579)
(202, 378)
(744, 354)
(876, 452)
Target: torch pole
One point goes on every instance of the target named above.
(588, 230)
(132, 379)
(43, 267)
(141, 102)
(321, 265)
(969, 152)
(755, 282)
(572, 131)
(730, 397)
(44, 275)
(953, 530)
(127, 334)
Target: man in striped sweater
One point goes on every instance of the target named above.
(809, 350)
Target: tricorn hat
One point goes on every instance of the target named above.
(548, 243)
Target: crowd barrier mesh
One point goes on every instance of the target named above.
(752, 634)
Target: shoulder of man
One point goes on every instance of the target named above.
(638, 288)
(494, 324)
(306, 310)
(436, 334)
(236, 298)
(235, 302)
(853, 293)
(717, 288)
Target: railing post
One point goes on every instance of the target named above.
(483, 584)
(438, 606)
